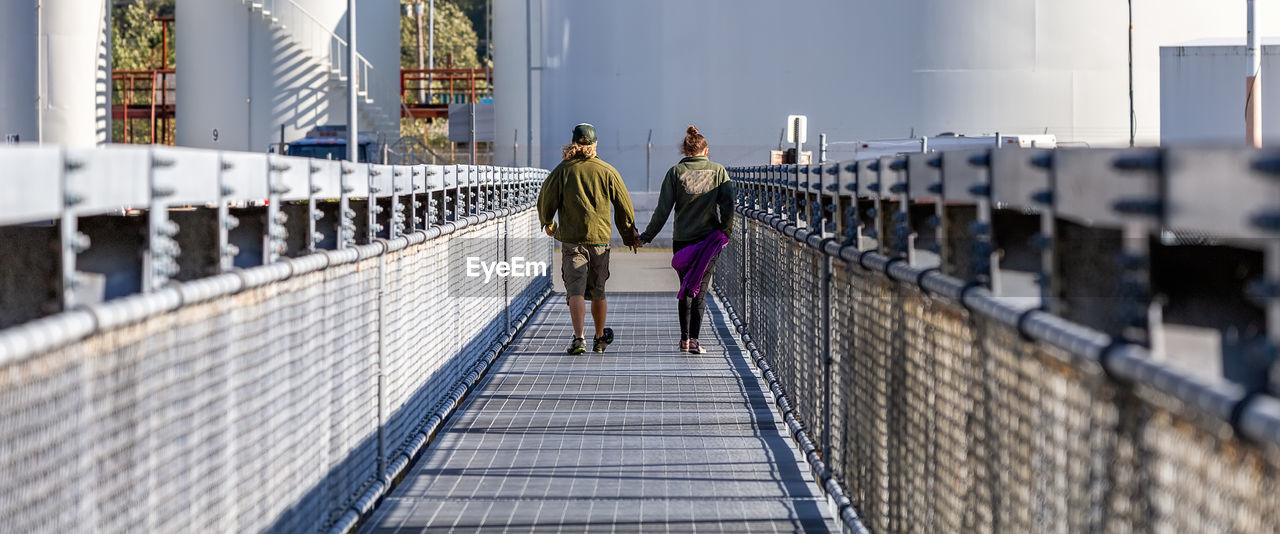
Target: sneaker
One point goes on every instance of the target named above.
(579, 346)
(684, 345)
(695, 347)
(602, 342)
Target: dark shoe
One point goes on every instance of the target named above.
(695, 347)
(684, 345)
(579, 346)
(602, 342)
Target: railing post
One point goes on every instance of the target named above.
(826, 355)
(159, 260)
(744, 259)
(313, 210)
(379, 375)
(346, 217)
(128, 102)
(72, 241)
(505, 203)
(371, 215)
(152, 105)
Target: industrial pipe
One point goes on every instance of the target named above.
(353, 125)
(1253, 84)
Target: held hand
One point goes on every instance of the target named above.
(550, 231)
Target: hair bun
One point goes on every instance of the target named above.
(694, 143)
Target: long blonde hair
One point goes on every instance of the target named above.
(574, 150)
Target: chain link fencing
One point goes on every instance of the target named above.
(281, 398)
(926, 405)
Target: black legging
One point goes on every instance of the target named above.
(691, 308)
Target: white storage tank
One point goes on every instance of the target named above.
(248, 68)
(55, 71)
(860, 69)
(517, 124)
(1202, 92)
(19, 117)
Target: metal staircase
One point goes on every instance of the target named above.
(325, 50)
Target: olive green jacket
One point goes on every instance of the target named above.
(580, 193)
(702, 195)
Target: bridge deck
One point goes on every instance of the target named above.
(643, 438)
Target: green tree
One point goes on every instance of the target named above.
(476, 11)
(136, 38)
(454, 35)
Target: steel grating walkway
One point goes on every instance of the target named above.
(643, 438)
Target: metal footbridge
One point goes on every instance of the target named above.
(987, 340)
(641, 439)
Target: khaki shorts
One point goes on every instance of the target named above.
(584, 269)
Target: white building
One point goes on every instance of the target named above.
(1202, 92)
(860, 69)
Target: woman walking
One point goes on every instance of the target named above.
(702, 195)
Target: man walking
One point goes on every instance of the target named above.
(580, 191)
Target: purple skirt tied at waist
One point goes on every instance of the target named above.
(692, 262)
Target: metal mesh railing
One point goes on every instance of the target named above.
(281, 398)
(936, 410)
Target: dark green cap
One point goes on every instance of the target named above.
(584, 134)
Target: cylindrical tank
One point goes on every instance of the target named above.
(314, 22)
(246, 74)
(19, 67)
(378, 41)
(517, 124)
(212, 41)
(75, 107)
(55, 73)
(860, 69)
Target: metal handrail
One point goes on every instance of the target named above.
(1254, 417)
(143, 87)
(428, 79)
(162, 179)
(339, 476)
